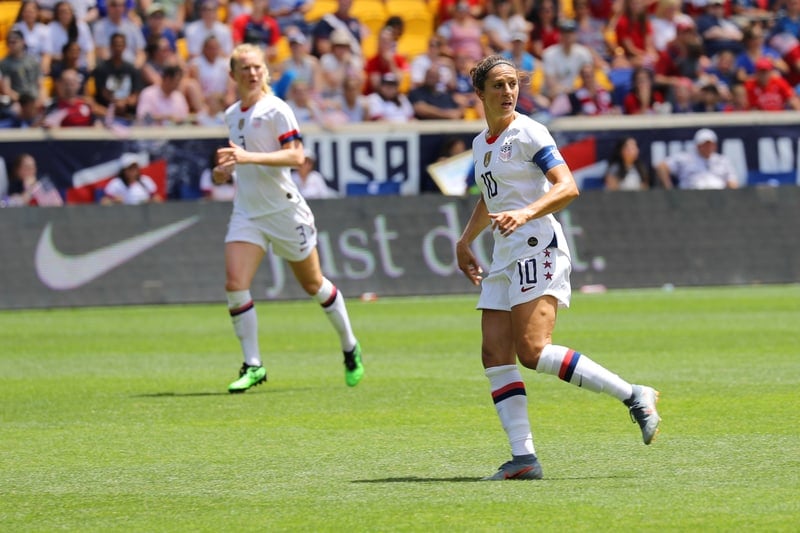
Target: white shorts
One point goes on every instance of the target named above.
(291, 232)
(529, 278)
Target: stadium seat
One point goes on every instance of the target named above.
(8, 15)
(371, 13)
(320, 8)
(417, 25)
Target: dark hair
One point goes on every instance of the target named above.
(22, 6)
(118, 35)
(172, 71)
(616, 159)
(72, 27)
(480, 72)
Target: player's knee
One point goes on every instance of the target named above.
(529, 356)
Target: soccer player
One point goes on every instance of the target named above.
(268, 209)
(523, 180)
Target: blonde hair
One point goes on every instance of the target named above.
(247, 48)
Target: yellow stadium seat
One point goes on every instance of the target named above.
(371, 13)
(282, 49)
(369, 46)
(8, 14)
(182, 48)
(320, 8)
(417, 25)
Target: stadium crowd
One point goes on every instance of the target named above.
(141, 62)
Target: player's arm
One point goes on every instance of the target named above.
(290, 155)
(563, 191)
(467, 261)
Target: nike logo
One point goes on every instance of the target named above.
(526, 289)
(64, 272)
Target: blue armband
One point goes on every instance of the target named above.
(547, 158)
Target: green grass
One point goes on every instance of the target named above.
(117, 419)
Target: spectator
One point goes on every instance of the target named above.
(340, 20)
(339, 64)
(546, 32)
(463, 91)
(388, 104)
(20, 72)
(397, 25)
(66, 27)
(590, 99)
(462, 34)
(683, 58)
(718, 32)
(118, 84)
(164, 103)
(788, 21)
(303, 104)
(682, 96)
(290, 14)
(626, 171)
(591, 33)
(211, 70)
(447, 8)
(635, 35)
(309, 181)
(157, 25)
(562, 62)
(501, 24)
(754, 48)
(432, 102)
(664, 23)
(701, 168)
(172, 13)
(130, 187)
(721, 71)
(208, 24)
(768, 91)
(385, 61)
(159, 57)
(709, 100)
(350, 105)
(70, 59)
(35, 33)
(433, 56)
(301, 63)
(30, 114)
(643, 98)
(258, 28)
(69, 109)
(25, 188)
(739, 100)
(117, 22)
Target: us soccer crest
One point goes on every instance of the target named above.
(486, 158)
(241, 123)
(505, 152)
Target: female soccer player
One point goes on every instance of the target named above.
(268, 209)
(523, 180)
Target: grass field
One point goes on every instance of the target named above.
(117, 419)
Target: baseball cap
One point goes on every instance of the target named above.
(340, 37)
(389, 77)
(297, 37)
(128, 159)
(705, 135)
(763, 63)
(519, 36)
(567, 25)
(154, 8)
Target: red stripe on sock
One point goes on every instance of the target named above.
(565, 363)
(243, 309)
(511, 386)
(329, 301)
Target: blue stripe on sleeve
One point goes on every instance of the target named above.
(547, 158)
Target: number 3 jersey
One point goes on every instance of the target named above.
(510, 171)
(263, 127)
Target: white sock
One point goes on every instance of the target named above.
(332, 302)
(511, 403)
(245, 324)
(576, 368)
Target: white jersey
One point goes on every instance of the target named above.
(510, 172)
(264, 127)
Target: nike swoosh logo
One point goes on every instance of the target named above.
(63, 272)
(526, 289)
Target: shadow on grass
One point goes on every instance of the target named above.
(415, 479)
(215, 393)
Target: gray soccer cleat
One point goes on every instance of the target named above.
(642, 408)
(519, 467)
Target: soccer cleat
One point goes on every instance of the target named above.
(519, 467)
(353, 367)
(249, 376)
(642, 407)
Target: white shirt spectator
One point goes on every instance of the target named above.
(695, 172)
(139, 192)
(197, 32)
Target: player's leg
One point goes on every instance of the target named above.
(309, 274)
(534, 323)
(505, 381)
(241, 263)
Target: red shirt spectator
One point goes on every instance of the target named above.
(69, 109)
(385, 61)
(257, 28)
(767, 91)
(635, 35)
(643, 98)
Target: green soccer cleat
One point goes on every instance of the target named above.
(519, 467)
(249, 376)
(353, 367)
